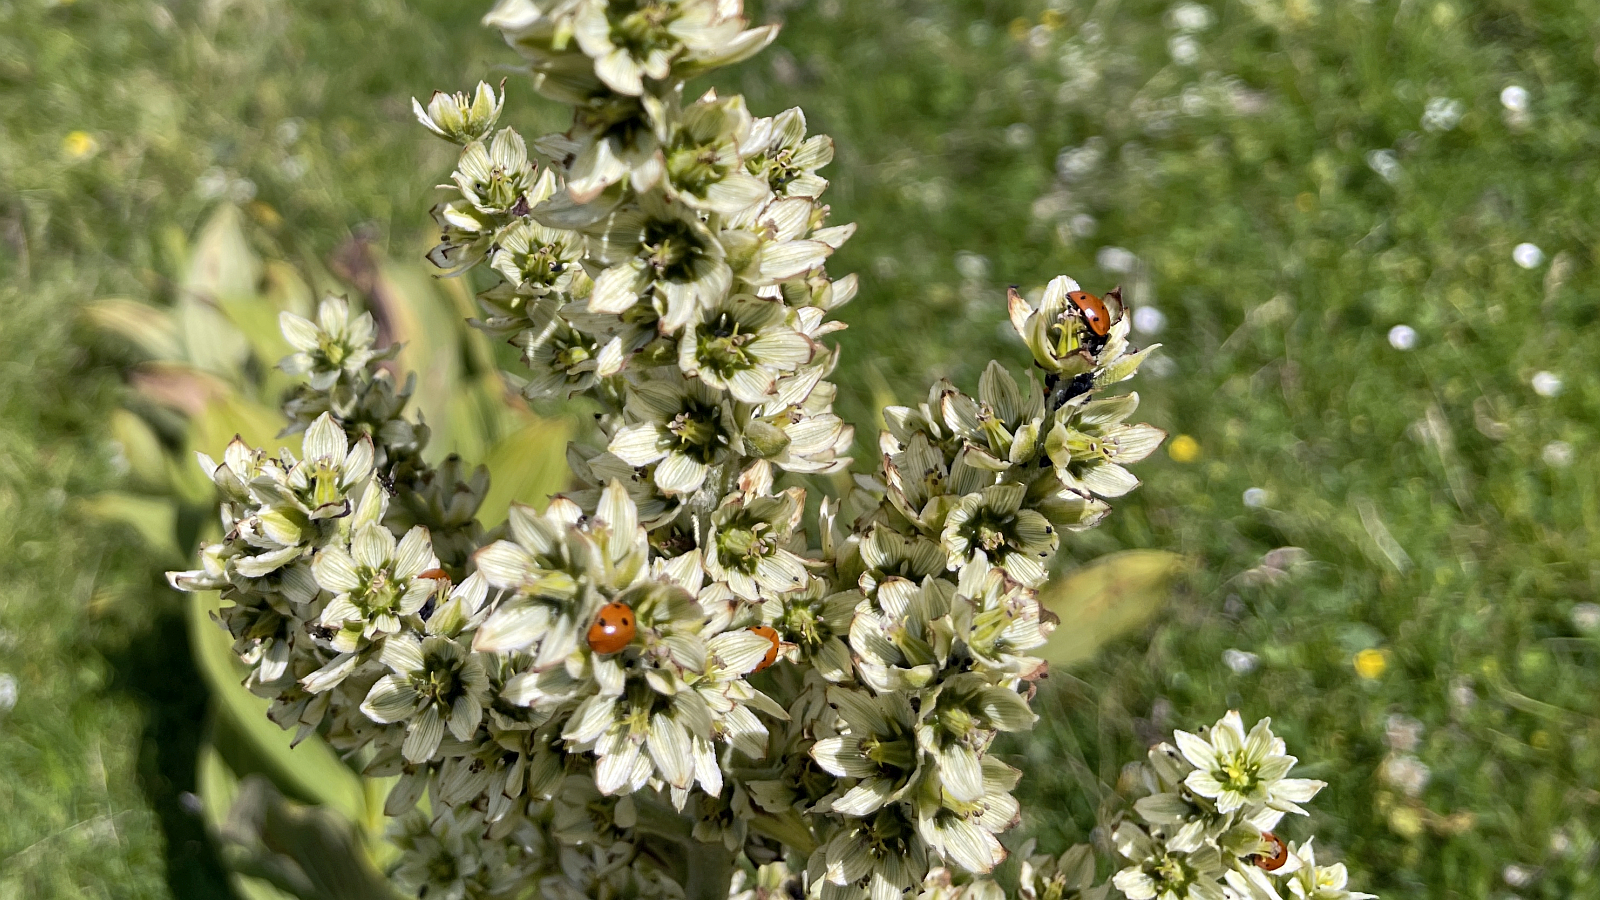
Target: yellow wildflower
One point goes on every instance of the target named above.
(79, 145)
(1370, 663)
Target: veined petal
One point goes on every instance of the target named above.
(373, 547)
(390, 700)
(423, 737)
(414, 554)
(335, 571)
(678, 474)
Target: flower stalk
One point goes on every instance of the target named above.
(665, 684)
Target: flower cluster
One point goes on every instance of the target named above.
(1207, 817)
(665, 683)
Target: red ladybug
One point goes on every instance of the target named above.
(1095, 313)
(1279, 853)
(613, 629)
(770, 634)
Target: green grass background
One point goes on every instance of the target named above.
(1441, 528)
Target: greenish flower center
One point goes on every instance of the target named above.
(325, 482)
(502, 188)
(333, 350)
(696, 167)
(889, 835)
(744, 542)
(438, 680)
(443, 868)
(892, 753)
(955, 721)
(570, 349)
(543, 265)
(672, 248)
(695, 431)
(721, 346)
(991, 533)
(1238, 775)
(644, 30)
(1171, 875)
(776, 167)
(380, 591)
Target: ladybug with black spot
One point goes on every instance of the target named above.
(613, 628)
(1277, 853)
(1096, 313)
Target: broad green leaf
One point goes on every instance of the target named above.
(257, 320)
(147, 459)
(149, 328)
(1106, 599)
(231, 415)
(526, 467)
(252, 742)
(154, 518)
(283, 286)
(218, 787)
(306, 850)
(221, 263)
(221, 266)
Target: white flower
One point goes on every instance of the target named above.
(1310, 881)
(336, 344)
(1237, 770)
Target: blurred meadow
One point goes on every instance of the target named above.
(1365, 234)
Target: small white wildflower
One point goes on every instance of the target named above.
(1019, 135)
(1462, 694)
(1190, 17)
(211, 183)
(1442, 114)
(1149, 320)
(1255, 497)
(1546, 384)
(1309, 881)
(1073, 163)
(1160, 367)
(1082, 225)
(1185, 50)
(1385, 164)
(1517, 876)
(1236, 769)
(8, 692)
(1514, 98)
(288, 131)
(1402, 733)
(972, 266)
(1402, 337)
(1116, 259)
(1560, 842)
(1240, 662)
(1586, 616)
(1405, 773)
(242, 190)
(1557, 454)
(1527, 255)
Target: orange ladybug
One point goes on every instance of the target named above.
(1278, 856)
(1095, 313)
(613, 629)
(770, 634)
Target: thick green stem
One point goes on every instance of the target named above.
(710, 872)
